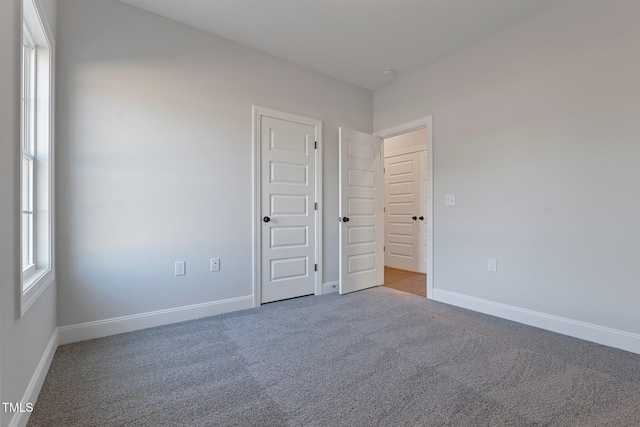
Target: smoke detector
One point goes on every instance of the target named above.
(390, 73)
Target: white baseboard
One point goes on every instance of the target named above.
(329, 287)
(587, 331)
(102, 328)
(20, 419)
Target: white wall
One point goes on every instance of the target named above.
(536, 132)
(9, 30)
(22, 340)
(407, 141)
(154, 158)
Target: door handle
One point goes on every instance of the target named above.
(414, 218)
(266, 219)
(421, 218)
(345, 219)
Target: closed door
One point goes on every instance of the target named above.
(361, 223)
(402, 211)
(288, 198)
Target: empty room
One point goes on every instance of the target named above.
(205, 204)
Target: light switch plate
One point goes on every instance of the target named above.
(449, 199)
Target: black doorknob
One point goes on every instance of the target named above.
(345, 219)
(415, 217)
(421, 218)
(266, 219)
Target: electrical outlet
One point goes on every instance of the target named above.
(215, 264)
(449, 199)
(492, 265)
(181, 268)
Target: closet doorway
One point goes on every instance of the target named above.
(405, 212)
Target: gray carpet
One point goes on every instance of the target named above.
(378, 357)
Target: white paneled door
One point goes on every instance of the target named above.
(405, 211)
(401, 211)
(361, 217)
(288, 207)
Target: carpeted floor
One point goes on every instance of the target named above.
(373, 358)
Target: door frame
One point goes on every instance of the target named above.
(257, 114)
(422, 123)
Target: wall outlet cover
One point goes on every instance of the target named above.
(181, 268)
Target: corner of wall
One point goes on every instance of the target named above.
(21, 418)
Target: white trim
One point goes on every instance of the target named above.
(427, 123)
(587, 331)
(257, 113)
(102, 328)
(319, 200)
(330, 287)
(35, 288)
(380, 222)
(401, 151)
(38, 12)
(424, 122)
(256, 205)
(32, 286)
(20, 419)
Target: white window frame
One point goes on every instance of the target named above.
(27, 128)
(36, 155)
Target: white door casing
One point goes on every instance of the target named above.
(427, 123)
(361, 217)
(402, 209)
(287, 186)
(423, 209)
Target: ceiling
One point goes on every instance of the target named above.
(353, 40)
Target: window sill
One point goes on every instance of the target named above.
(33, 285)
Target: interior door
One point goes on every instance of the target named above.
(288, 208)
(402, 210)
(361, 216)
(422, 212)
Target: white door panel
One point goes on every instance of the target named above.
(402, 206)
(361, 237)
(289, 237)
(289, 173)
(288, 197)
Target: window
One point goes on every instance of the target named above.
(36, 147)
(28, 148)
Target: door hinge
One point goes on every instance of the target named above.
(384, 249)
(315, 145)
(316, 205)
(316, 267)
(384, 209)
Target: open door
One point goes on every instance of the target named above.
(361, 216)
